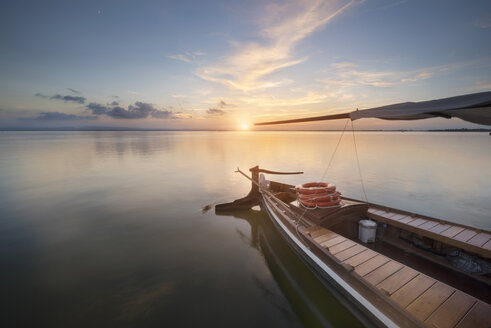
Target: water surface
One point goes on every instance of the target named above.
(106, 228)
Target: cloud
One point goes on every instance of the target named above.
(137, 111)
(223, 104)
(75, 99)
(480, 86)
(420, 76)
(134, 92)
(57, 116)
(215, 111)
(97, 109)
(390, 5)
(282, 28)
(348, 74)
(483, 22)
(162, 114)
(181, 57)
(186, 57)
(73, 90)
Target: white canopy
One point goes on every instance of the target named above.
(475, 108)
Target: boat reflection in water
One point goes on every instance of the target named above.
(314, 304)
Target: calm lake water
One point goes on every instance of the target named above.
(106, 229)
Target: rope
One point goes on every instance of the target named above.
(327, 168)
(358, 162)
(335, 150)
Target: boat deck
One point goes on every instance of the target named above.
(466, 238)
(426, 299)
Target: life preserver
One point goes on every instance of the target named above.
(317, 195)
(326, 197)
(315, 188)
(319, 204)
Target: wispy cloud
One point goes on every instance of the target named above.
(132, 92)
(57, 116)
(180, 57)
(73, 90)
(392, 4)
(282, 28)
(215, 111)
(139, 110)
(480, 86)
(348, 74)
(483, 22)
(186, 56)
(310, 97)
(75, 99)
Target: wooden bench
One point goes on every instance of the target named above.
(469, 239)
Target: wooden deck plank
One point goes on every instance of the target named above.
(352, 251)
(480, 239)
(397, 280)
(341, 246)
(361, 257)
(370, 265)
(423, 306)
(410, 291)
(375, 211)
(325, 237)
(425, 298)
(440, 228)
(398, 217)
(385, 214)
(317, 233)
(417, 222)
(450, 313)
(487, 245)
(384, 271)
(465, 235)
(477, 317)
(428, 225)
(452, 231)
(333, 241)
(407, 219)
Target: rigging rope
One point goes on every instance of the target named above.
(328, 165)
(358, 162)
(335, 150)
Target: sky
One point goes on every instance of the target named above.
(210, 65)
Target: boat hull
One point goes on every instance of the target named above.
(331, 273)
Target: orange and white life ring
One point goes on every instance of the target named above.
(317, 195)
(315, 188)
(320, 204)
(326, 197)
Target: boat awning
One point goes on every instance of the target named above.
(475, 108)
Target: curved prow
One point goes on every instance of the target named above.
(252, 199)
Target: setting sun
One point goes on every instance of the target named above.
(244, 126)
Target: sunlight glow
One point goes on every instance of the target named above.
(244, 126)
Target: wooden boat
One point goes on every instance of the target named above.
(410, 275)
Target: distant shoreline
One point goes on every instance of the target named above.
(108, 129)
